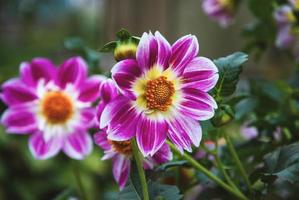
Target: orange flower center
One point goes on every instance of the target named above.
(57, 107)
(158, 93)
(122, 147)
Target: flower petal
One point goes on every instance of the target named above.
(41, 149)
(183, 51)
(88, 117)
(78, 145)
(39, 68)
(164, 51)
(183, 131)
(124, 73)
(197, 104)
(15, 93)
(200, 73)
(73, 70)
(120, 117)
(90, 88)
(19, 120)
(285, 38)
(147, 51)
(108, 91)
(150, 135)
(100, 138)
(121, 170)
(163, 154)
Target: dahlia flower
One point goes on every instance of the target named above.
(163, 93)
(53, 105)
(221, 11)
(121, 153)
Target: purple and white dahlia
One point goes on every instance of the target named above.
(121, 154)
(221, 11)
(53, 105)
(163, 94)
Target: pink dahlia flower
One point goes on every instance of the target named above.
(53, 105)
(221, 11)
(163, 94)
(121, 154)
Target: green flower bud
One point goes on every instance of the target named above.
(223, 116)
(125, 50)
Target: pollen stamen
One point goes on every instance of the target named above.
(122, 147)
(158, 93)
(57, 107)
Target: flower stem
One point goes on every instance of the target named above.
(140, 169)
(235, 156)
(79, 181)
(205, 171)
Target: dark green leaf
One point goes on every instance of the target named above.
(230, 68)
(284, 163)
(109, 47)
(171, 164)
(64, 195)
(123, 34)
(135, 181)
(161, 191)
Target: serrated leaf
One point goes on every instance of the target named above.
(109, 47)
(171, 164)
(229, 68)
(284, 163)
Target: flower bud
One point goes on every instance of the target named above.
(223, 115)
(125, 50)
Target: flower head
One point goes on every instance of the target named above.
(163, 93)
(220, 10)
(53, 105)
(121, 154)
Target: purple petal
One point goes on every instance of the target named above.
(200, 73)
(183, 131)
(164, 51)
(39, 68)
(121, 117)
(147, 51)
(150, 135)
(78, 145)
(124, 73)
(99, 111)
(281, 15)
(100, 138)
(108, 91)
(41, 149)
(183, 51)
(19, 120)
(73, 70)
(90, 89)
(15, 93)
(197, 104)
(88, 117)
(163, 154)
(121, 170)
(285, 38)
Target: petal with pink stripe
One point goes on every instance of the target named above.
(121, 170)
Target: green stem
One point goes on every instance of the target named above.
(79, 181)
(138, 159)
(237, 161)
(205, 171)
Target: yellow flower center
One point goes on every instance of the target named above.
(57, 107)
(122, 147)
(158, 93)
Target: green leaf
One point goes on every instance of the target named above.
(171, 164)
(230, 68)
(109, 47)
(64, 195)
(135, 181)
(123, 34)
(284, 163)
(156, 191)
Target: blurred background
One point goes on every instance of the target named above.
(58, 29)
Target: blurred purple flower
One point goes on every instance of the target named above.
(53, 105)
(249, 132)
(221, 11)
